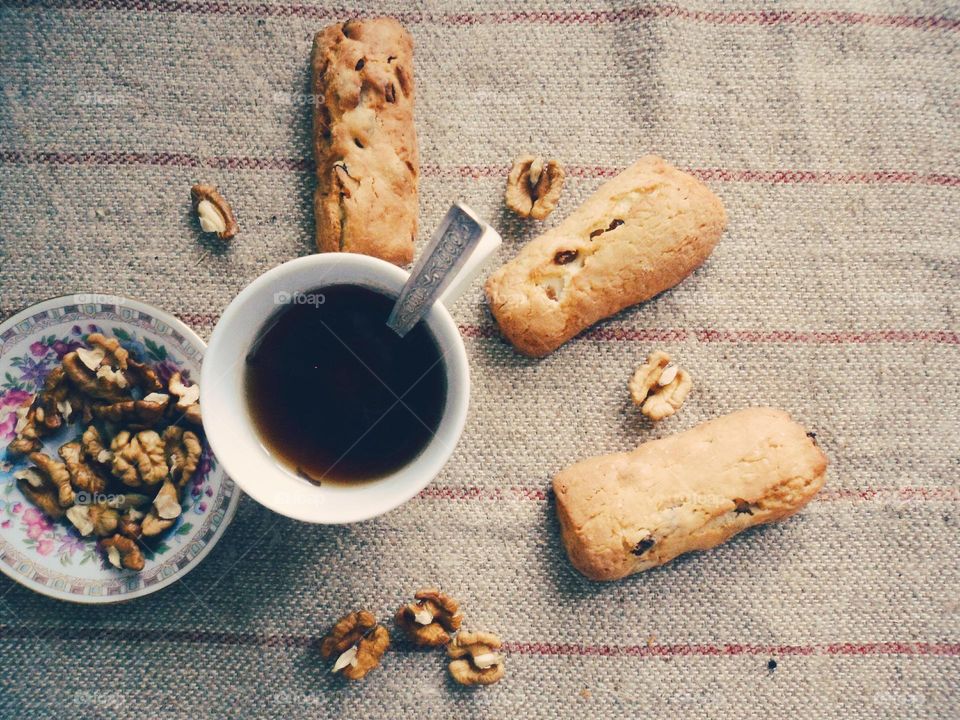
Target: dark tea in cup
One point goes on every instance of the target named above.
(335, 394)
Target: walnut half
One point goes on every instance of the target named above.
(475, 658)
(123, 552)
(356, 644)
(430, 620)
(213, 211)
(659, 387)
(534, 186)
(138, 459)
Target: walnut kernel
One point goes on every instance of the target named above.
(56, 472)
(534, 186)
(83, 476)
(135, 414)
(40, 491)
(357, 643)
(475, 658)
(123, 552)
(183, 450)
(430, 619)
(659, 387)
(188, 399)
(138, 459)
(165, 511)
(213, 211)
(100, 519)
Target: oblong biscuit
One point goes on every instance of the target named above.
(364, 139)
(639, 234)
(625, 513)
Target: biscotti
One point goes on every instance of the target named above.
(639, 234)
(625, 513)
(364, 139)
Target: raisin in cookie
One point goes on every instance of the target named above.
(625, 513)
(639, 234)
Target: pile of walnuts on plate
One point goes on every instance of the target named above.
(121, 480)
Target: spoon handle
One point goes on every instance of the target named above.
(454, 240)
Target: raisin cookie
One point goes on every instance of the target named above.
(364, 139)
(639, 234)
(625, 513)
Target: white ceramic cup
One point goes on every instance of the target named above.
(226, 417)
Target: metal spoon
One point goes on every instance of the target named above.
(457, 236)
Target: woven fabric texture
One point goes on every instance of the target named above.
(831, 133)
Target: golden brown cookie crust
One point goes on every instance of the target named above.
(364, 139)
(639, 234)
(625, 513)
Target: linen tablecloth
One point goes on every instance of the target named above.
(831, 134)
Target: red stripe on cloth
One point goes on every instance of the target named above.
(440, 492)
(796, 337)
(794, 177)
(731, 650)
(160, 159)
(769, 177)
(855, 337)
(764, 18)
(902, 493)
(67, 633)
(540, 494)
(614, 334)
(602, 334)
(761, 18)
(18, 157)
(475, 172)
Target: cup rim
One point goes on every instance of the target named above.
(297, 498)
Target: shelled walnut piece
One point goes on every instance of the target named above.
(534, 186)
(93, 446)
(138, 459)
(58, 476)
(659, 387)
(130, 523)
(100, 519)
(475, 658)
(183, 450)
(99, 372)
(357, 643)
(187, 397)
(123, 552)
(135, 414)
(47, 413)
(213, 211)
(144, 377)
(430, 619)
(83, 476)
(40, 490)
(165, 511)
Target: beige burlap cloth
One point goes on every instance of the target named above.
(831, 133)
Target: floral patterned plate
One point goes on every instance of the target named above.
(50, 556)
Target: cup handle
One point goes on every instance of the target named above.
(484, 250)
